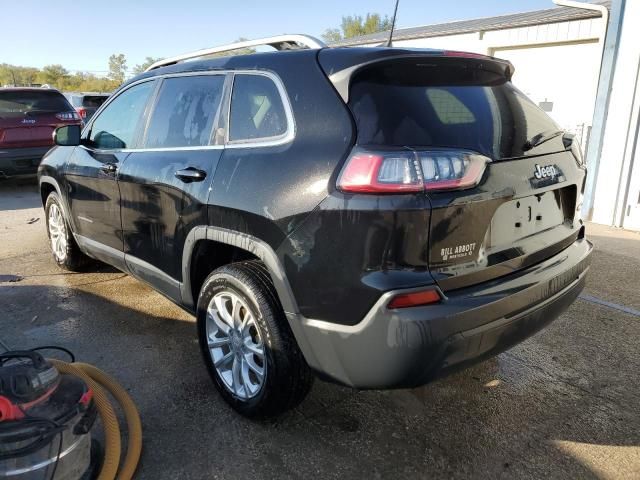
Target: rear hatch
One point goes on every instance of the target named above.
(87, 105)
(503, 181)
(28, 117)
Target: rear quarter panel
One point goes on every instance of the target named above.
(267, 191)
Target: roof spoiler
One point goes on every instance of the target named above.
(340, 64)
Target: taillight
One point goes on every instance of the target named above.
(82, 112)
(386, 172)
(451, 169)
(414, 299)
(411, 171)
(68, 116)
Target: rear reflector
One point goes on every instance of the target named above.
(414, 299)
(411, 171)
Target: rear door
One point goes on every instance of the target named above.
(454, 112)
(94, 197)
(165, 184)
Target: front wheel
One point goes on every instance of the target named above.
(64, 248)
(247, 344)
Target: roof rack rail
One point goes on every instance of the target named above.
(280, 42)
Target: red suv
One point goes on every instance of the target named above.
(28, 118)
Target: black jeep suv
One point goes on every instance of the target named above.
(377, 216)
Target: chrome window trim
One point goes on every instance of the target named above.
(273, 141)
(286, 137)
(87, 128)
(159, 78)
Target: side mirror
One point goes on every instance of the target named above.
(67, 136)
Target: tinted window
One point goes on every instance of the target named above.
(185, 112)
(256, 109)
(452, 105)
(19, 102)
(92, 101)
(116, 125)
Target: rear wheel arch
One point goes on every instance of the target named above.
(237, 246)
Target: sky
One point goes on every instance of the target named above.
(81, 34)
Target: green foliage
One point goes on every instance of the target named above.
(356, 26)
(240, 51)
(117, 67)
(148, 61)
(55, 76)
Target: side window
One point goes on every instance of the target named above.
(257, 111)
(185, 112)
(116, 126)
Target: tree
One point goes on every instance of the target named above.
(356, 25)
(138, 69)
(117, 67)
(54, 75)
(239, 51)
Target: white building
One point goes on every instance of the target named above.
(559, 63)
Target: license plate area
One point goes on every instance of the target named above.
(527, 216)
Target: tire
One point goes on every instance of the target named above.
(64, 248)
(286, 377)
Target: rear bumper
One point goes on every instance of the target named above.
(409, 347)
(20, 161)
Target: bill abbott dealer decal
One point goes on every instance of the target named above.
(459, 251)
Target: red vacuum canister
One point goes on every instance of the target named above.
(45, 420)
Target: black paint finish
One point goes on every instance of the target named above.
(159, 209)
(337, 253)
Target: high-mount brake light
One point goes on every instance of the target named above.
(456, 53)
(411, 171)
(414, 299)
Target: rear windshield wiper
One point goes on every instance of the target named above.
(540, 138)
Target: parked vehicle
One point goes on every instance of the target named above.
(85, 103)
(28, 118)
(378, 216)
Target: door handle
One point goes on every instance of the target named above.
(191, 174)
(109, 168)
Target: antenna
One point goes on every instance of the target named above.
(393, 24)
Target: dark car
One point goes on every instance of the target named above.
(28, 118)
(377, 216)
(86, 104)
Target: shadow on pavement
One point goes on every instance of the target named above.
(19, 194)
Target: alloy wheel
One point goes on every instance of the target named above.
(57, 232)
(235, 345)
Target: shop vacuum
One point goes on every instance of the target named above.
(46, 419)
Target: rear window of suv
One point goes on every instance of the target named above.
(19, 102)
(448, 104)
(87, 101)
